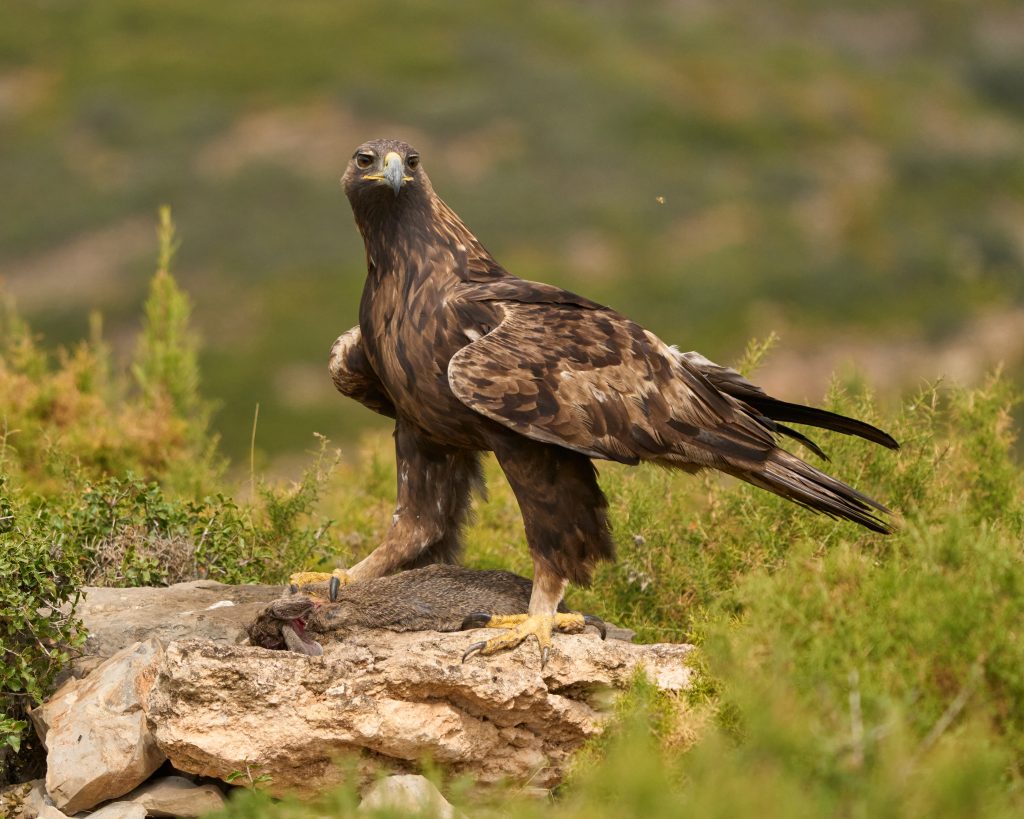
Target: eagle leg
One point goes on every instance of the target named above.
(434, 492)
(564, 513)
(540, 621)
(312, 583)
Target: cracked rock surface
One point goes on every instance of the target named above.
(217, 709)
(115, 618)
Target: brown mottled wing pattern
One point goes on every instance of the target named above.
(584, 377)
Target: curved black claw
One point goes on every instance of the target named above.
(598, 623)
(477, 619)
(333, 587)
(473, 649)
(293, 589)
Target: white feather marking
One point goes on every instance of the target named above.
(471, 334)
(699, 360)
(341, 347)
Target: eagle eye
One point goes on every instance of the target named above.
(364, 160)
(413, 162)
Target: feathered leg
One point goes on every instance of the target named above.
(434, 485)
(434, 489)
(564, 512)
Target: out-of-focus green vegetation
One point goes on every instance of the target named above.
(839, 672)
(849, 166)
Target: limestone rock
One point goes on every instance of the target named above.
(408, 793)
(119, 810)
(176, 796)
(43, 812)
(98, 743)
(384, 699)
(117, 618)
(49, 812)
(216, 709)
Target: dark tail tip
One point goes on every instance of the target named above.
(823, 419)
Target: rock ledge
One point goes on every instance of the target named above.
(217, 709)
(382, 699)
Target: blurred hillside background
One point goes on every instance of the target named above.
(849, 175)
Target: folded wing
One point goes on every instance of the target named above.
(588, 379)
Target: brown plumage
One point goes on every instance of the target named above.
(468, 358)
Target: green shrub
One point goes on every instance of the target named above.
(129, 532)
(74, 414)
(38, 629)
(166, 359)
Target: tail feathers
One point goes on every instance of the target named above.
(788, 476)
(811, 416)
(785, 474)
(789, 432)
(733, 384)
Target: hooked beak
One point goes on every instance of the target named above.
(393, 172)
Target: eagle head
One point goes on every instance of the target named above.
(383, 170)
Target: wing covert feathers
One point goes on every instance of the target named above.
(572, 373)
(595, 382)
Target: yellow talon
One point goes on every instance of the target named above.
(306, 578)
(521, 626)
(312, 583)
(568, 622)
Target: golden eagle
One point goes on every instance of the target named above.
(467, 358)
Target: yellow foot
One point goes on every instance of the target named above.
(521, 626)
(324, 585)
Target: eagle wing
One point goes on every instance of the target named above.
(564, 370)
